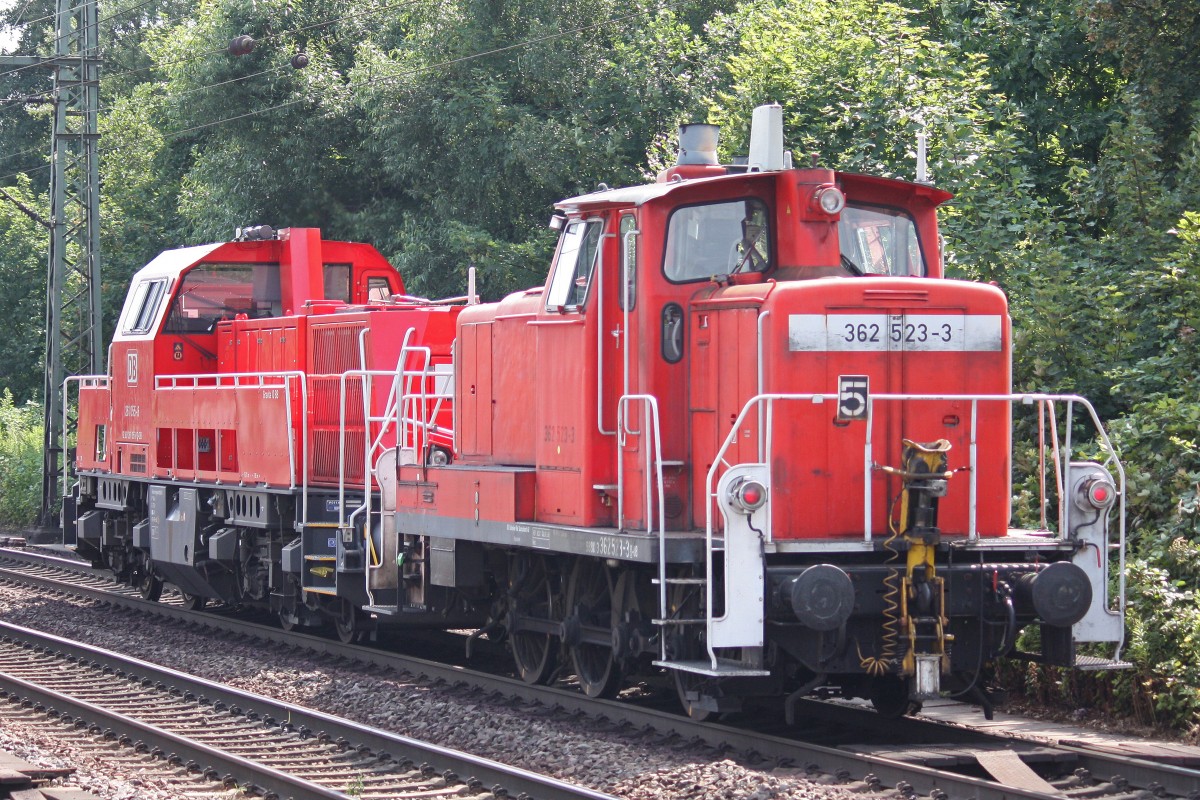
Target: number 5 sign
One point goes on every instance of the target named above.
(852, 397)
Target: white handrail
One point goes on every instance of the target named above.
(89, 382)
(240, 380)
(653, 456)
(1070, 401)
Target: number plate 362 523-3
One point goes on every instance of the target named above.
(889, 332)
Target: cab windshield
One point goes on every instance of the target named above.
(878, 240)
(210, 293)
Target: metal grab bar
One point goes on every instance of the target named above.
(653, 472)
(407, 411)
(85, 382)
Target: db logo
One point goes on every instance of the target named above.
(178, 351)
(131, 368)
(852, 397)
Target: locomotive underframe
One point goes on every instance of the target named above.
(244, 546)
(567, 595)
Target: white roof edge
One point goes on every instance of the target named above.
(635, 195)
(167, 264)
(170, 263)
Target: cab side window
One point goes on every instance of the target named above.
(378, 289)
(210, 293)
(629, 243)
(143, 306)
(337, 282)
(717, 239)
(578, 248)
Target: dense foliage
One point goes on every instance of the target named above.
(443, 130)
(20, 461)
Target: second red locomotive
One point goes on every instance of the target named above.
(746, 435)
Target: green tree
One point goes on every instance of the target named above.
(23, 244)
(479, 116)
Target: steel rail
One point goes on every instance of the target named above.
(515, 780)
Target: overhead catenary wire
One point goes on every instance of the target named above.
(273, 35)
(220, 49)
(17, 19)
(115, 15)
(385, 79)
(29, 171)
(312, 26)
(89, 51)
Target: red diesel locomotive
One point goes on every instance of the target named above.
(746, 435)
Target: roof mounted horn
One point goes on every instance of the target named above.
(766, 140)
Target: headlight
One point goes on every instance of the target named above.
(829, 199)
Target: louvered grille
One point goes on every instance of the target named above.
(335, 349)
(325, 456)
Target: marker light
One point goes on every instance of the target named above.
(748, 496)
(829, 199)
(1098, 491)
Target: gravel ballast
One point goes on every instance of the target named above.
(606, 762)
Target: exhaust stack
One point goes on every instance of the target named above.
(698, 144)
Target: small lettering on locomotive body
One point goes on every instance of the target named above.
(560, 434)
(614, 548)
(133, 411)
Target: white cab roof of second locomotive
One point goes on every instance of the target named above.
(170, 263)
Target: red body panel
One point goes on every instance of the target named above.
(227, 403)
(466, 492)
(818, 465)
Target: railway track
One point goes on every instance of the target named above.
(240, 740)
(936, 760)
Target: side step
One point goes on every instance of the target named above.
(726, 668)
(386, 611)
(1093, 663)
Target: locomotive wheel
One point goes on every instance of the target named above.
(348, 623)
(591, 596)
(148, 584)
(531, 591)
(192, 602)
(287, 620)
(889, 696)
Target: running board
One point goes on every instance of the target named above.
(726, 668)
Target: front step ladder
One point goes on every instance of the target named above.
(742, 624)
(723, 667)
